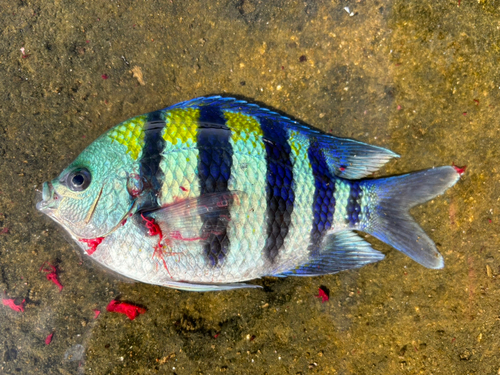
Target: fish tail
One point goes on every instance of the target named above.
(389, 219)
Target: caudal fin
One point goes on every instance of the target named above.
(390, 220)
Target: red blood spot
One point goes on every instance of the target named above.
(51, 274)
(323, 295)
(96, 313)
(282, 67)
(9, 302)
(176, 235)
(132, 311)
(183, 188)
(460, 170)
(4, 230)
(48, 339)
(92, 244)
(104, 76)
(153, 228)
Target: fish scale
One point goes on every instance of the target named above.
(212, 192)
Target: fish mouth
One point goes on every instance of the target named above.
(50, 199)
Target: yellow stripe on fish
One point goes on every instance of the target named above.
(130, 133)
(179, 161)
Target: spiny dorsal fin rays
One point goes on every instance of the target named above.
(348, 158)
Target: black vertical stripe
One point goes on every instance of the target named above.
(214, 169)
(279, 187)
(324, 199)
(149, 164)
(354, 203)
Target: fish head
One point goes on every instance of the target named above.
(90, 198)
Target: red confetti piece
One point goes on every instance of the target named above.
(104, 76)
(48, 339)
(132, 311)
(96, 313)
(322, 294)
(92, 244)
(460, 170)
(51, 274)
(9, 302)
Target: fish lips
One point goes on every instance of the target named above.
(50, 199)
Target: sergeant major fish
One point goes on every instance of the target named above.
(211, 192)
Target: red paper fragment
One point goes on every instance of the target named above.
(9, 302)
(48, 340)
(51, 274)
(132, 311)
(460, 170)
(92, 244)
(322, 294)
(96, 313)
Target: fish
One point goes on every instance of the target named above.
(212, 192)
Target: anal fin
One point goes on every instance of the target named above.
(201, 287)
(341, 251)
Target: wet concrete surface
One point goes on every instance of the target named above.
(420, 78)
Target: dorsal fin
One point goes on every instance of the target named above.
(347, 158)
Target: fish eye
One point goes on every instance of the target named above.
(79, 179)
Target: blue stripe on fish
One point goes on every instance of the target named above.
(149, 162)
(214, 170)
(353, 205)
(324, 199)
(279, 188)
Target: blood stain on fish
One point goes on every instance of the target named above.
(92, 244)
